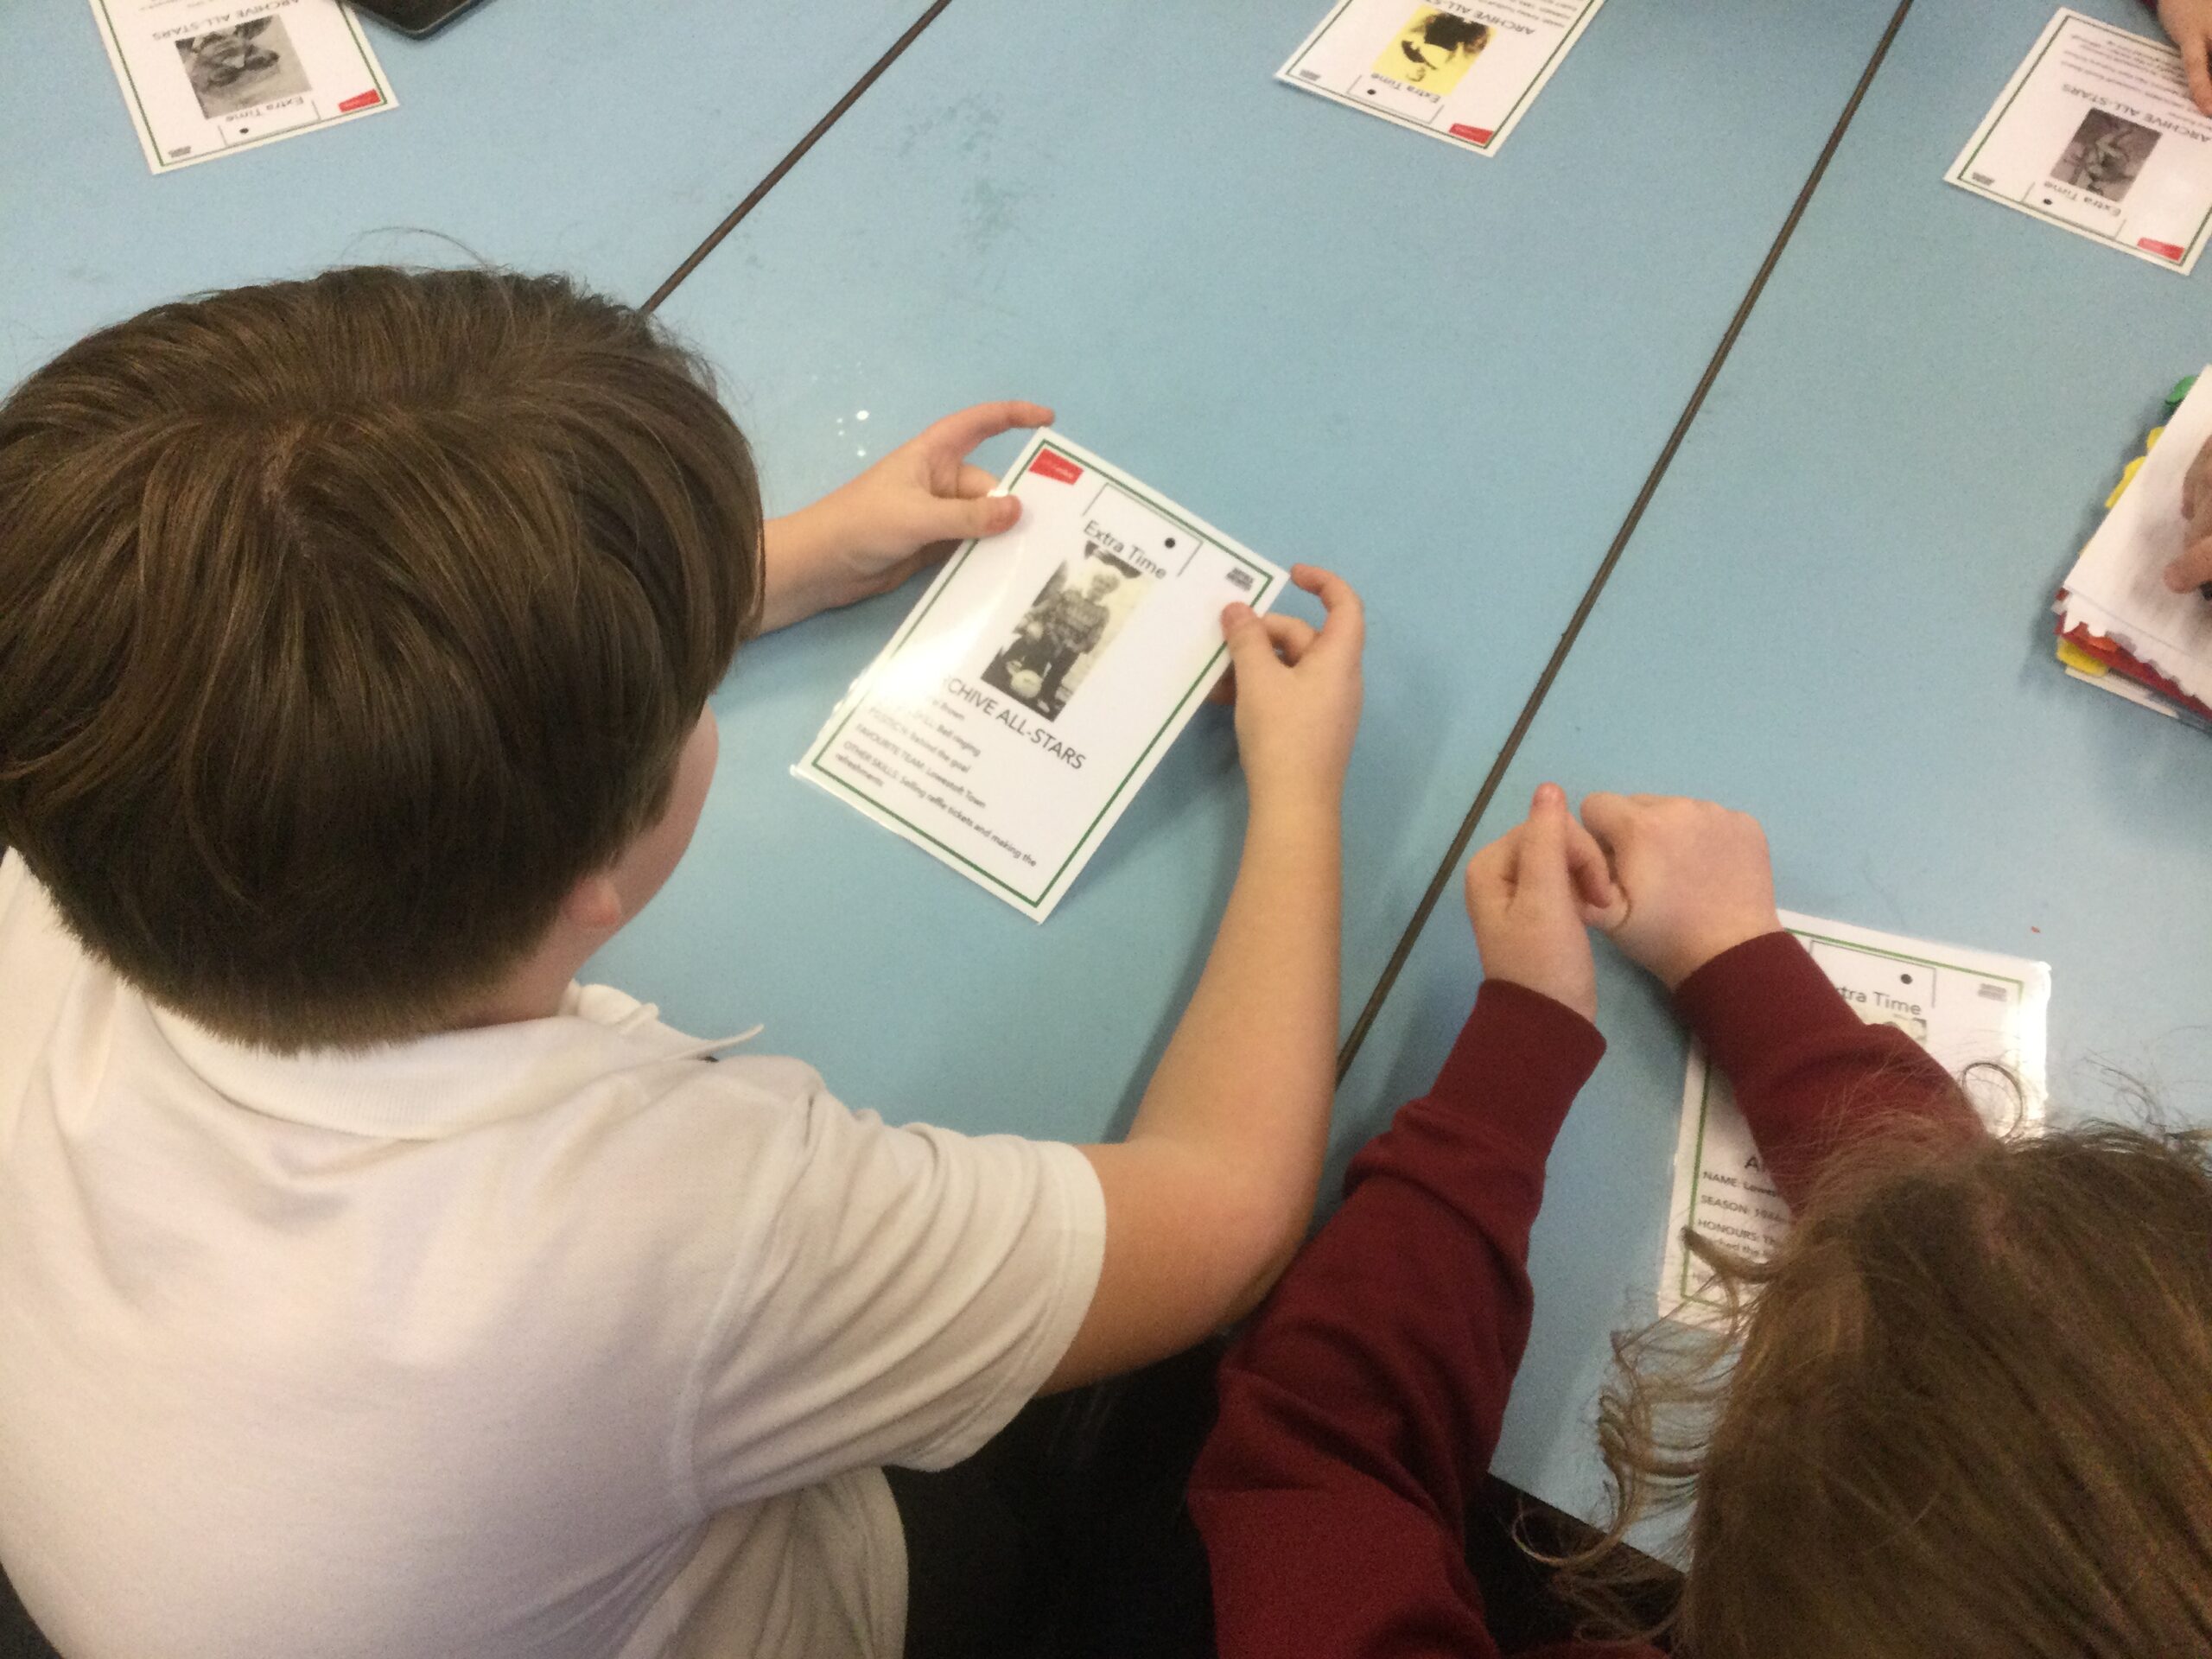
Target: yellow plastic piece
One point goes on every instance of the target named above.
(2079, 660)
(2150, 443)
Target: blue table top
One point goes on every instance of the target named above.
(1444, 375)
(604, 141)
(1835, 614)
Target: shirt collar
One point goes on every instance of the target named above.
(443, 1084)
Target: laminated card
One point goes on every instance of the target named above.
(2095, 133)
(206, 78)
(1020, 708)
(1463, 70)
(1964, 1007)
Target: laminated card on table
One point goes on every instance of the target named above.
(208, 77)
(1025, 701)
(1966, 1008)
(1463, 70)
(2095, 133)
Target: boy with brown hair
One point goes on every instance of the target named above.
(366, 1285)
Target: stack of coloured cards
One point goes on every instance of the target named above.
(2120, 627)
(1017, 711)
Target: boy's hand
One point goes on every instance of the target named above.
(2193, 568)
(1297, 692)
(1695, 878)
(905, 511)
(2188, 25)
(1533, 894)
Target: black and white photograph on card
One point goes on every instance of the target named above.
(2105, 155)
(1067, 629)
(235, 68)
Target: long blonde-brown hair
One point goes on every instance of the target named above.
(1971, 1413)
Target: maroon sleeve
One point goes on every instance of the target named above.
(1365, 1400)
(1810, 1075)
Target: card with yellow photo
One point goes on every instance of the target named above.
(1463, 70)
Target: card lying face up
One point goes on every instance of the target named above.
(1017, 711)
(1463, 70)
(204, 78)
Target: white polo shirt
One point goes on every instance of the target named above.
(545, 1339)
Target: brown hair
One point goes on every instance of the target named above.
(1972, 1413)
(346, 624)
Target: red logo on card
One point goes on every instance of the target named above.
(360, 101)
(1473, 134)
(1058, 467)
(2163, 249)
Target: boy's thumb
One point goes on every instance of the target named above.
(981, 515)
(1247, 636)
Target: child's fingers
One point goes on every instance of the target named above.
(1610, 818)
(2193, 568)
(955, 519)
(963, 429)
(1251, 647)
(1603, 904)
(2195, 44)
(1490, 878)
(974, 481)
(1541, 873)
(1347, 617)
(1293, 636)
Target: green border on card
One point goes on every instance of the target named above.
(1964, 177)
(163, 164)
(1705, 1092)
(1021, 469)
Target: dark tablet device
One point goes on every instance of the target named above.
(416, 17)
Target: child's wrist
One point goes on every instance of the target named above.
(1299, 805)
(1711, 947)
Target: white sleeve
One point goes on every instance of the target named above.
(911, 1290)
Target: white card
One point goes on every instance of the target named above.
(203, 79)
(2094, 133)
(1020, 708)
(1463, 70)
(1963, 1007)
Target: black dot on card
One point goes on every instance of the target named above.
(1905, 979)
(1171, 541)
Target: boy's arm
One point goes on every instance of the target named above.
(1209, 1193)
(1811, 1077)
(1366, 1400)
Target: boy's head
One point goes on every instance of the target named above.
(1972, 1416)
(347, 625)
